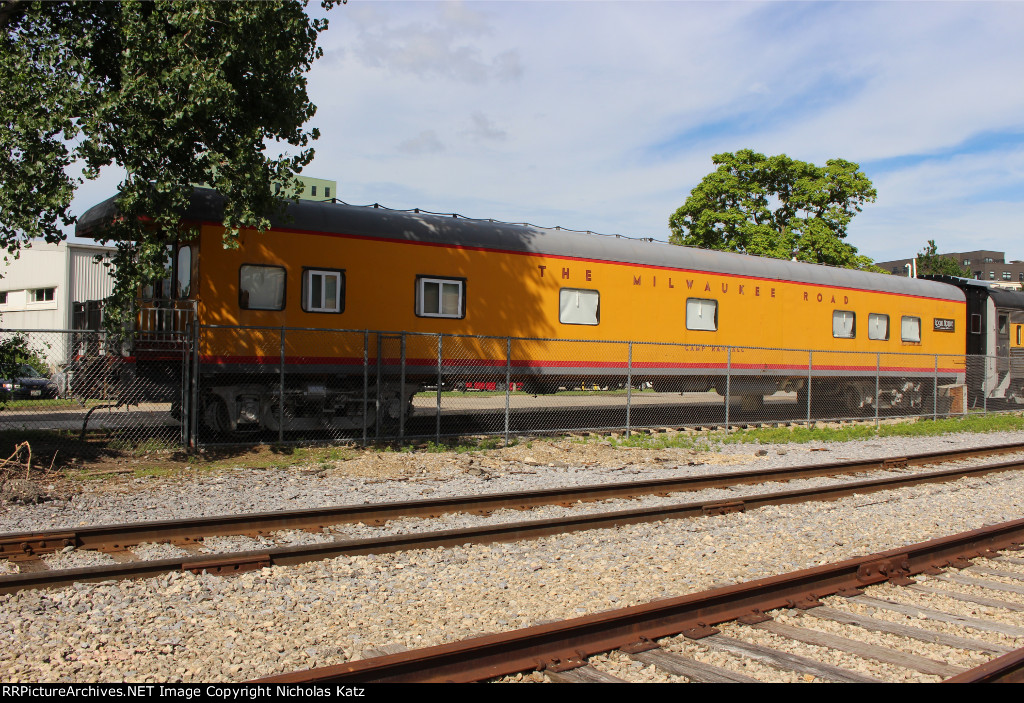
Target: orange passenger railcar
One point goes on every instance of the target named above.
(693, 315)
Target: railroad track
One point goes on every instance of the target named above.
(863, 609)
(27, 548)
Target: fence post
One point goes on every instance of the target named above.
(193, 416)
(437, 431)
(379, 414)
(401, 394)
(629, 387)
(935, 393)
(810, 365)
(878, 373)
(984, 387)
(508, 380)
(366, 380)
(728, 383)
(280, 402)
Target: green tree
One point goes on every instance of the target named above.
(776, 206)
(929, 261)
(175, 93)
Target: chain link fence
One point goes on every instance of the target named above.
(85, 393)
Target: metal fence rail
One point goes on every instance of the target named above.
(207, 385)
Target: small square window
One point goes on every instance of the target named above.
(43, 295)
(844, 324)
(878, 326)
(577, 306)
(910, 329)
(261, 287)
(3, 298)
(701, 314)
(323, 290)
(440, 297)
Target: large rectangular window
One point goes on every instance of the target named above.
(910, 329)
(844, 324)
(878, 326)
(577, 306)
(323, 290)
(701, 314)
(440, 297)
(261, 287)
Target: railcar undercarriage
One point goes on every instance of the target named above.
(254, 407)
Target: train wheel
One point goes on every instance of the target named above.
(215, 418)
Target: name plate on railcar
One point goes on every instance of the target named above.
(944, 325)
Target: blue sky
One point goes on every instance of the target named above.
(603, 115)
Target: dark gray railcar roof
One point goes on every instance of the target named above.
(1002, 297)
(369, 221)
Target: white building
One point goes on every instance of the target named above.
(55, 287)
(39, 289)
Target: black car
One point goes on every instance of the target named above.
(29, 384)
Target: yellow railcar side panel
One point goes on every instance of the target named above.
(517, 295)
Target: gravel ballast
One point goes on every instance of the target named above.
(183, 627)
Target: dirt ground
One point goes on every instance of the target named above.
(381, 463)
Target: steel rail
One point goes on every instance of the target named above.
(487, 534)
(565, 644)
(1008, 668)
(115, 538)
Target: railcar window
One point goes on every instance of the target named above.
(261, 287)
(440, 297)
(183, 281)
(910, 329)
(577, 306)
(878, 326)
(323, 290)
(844, 324)
(1003, 320)
(701, 314)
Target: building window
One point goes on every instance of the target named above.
(844, 324)
(323, 291)
(3, 298)
(43, 295)
(261, 287)
(327, 191)
(910, 329)
(701, 314)
(1007, 275)
(967, 262)
(577, 306)
(991, 275)
(440, 297)
(312, 191)
(878, 326)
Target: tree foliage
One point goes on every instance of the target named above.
(929, 261)
(175, 93)
(776, 206)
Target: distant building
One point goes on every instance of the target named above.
(989, 266)
(317, 189)
(55, 287)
